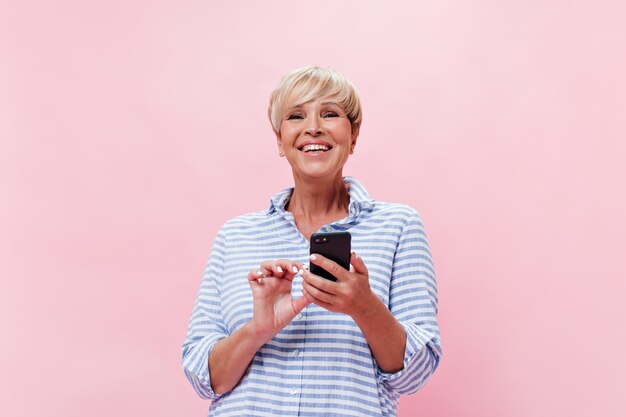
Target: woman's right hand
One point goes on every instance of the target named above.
(273, 305)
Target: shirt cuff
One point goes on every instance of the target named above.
(420, 345)
(196, 366)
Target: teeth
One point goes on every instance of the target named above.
(315, 147)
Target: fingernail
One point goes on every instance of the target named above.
(300, 272)
(279, 269)
(259, 273)
(312, 257)
(294, 269)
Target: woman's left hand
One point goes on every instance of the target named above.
(350, 294)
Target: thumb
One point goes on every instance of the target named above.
(300, 303)
(358, 264)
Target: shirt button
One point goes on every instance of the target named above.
(293, 391)
(299, 316)
(296, 352)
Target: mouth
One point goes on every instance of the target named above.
(315, 148)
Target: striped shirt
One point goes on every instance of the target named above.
(320, 364)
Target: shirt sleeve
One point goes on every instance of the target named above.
(413, 302)
(206, 326)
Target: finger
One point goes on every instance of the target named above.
(301, 267)
(307, 295)
(267, 272)
(290, 268)
(276, 270)
(320, 283)
(317, 294)
(332, 267)
(255, 274)
(271, 280)
(316, 301)
(357, 263)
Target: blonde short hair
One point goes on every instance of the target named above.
(305, 84)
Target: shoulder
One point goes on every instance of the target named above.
(245, 222)
(362, 199)
(398, 211)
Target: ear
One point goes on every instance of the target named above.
(279, 142)
(355, 135)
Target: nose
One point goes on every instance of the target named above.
(313, 128)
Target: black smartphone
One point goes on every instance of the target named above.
(334, 246)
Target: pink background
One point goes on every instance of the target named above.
(132, 129)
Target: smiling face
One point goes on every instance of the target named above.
(317, 138)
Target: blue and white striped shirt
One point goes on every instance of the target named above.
(319, 364)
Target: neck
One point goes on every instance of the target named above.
(312, 199)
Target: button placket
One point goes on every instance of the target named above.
(297, 358)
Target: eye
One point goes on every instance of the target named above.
(330, 113)
(295, 116)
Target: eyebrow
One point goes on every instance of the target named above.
(324, 103)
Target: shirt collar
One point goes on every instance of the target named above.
(359, 198)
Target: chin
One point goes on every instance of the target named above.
(317, 174)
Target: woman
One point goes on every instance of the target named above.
(285, 341)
